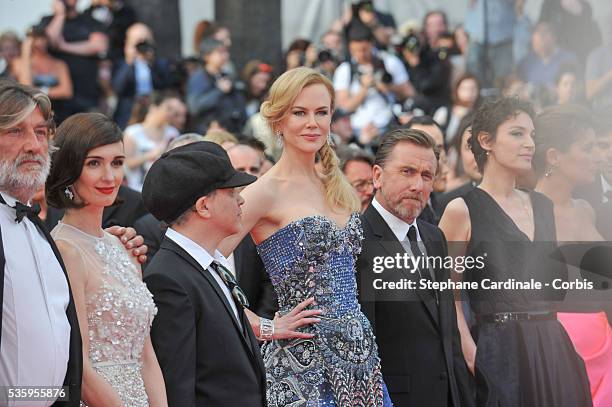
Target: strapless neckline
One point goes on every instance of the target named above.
(348, 223)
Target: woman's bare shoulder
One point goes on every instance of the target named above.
(263, 190)
(584, 207)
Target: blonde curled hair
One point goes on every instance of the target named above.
(338, 192)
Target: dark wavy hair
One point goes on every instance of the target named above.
(491, 114)
(74, 138)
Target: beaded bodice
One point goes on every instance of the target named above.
(120, 309)
(314, 257)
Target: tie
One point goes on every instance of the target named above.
(229, 280)
(22, 210)
(414, 245)
(416, 251)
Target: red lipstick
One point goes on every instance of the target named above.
(106, 191)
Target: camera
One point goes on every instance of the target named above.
(326, 55)
(412, 43)
(145, 47)
(381, 75)
(443, 53)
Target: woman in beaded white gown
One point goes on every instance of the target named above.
(114, 307)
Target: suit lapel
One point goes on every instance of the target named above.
(238, 254)
(108, 213)
(74, 370)
(383, 233)
(75, 362)
(171, 245)
(392, 246)
(432, 247)
(255, 355)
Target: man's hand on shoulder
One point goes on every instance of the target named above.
(132, 241)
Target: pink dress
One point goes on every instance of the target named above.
(589, 329)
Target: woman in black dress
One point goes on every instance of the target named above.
(522, 356)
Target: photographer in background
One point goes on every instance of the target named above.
(139, 74)
(381, 24)
(370, 82)
(9, 51)
(257, 78)
(37, 68)
(116, 17)
(301, 52)
(211, 93)
(334, 42)
(430, 71)
(80, 41)
(327, 62)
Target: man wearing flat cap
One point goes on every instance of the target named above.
(206, 348)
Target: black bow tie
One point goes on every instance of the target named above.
(24, 210)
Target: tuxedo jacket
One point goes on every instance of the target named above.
(74, 371)
(250, 271)
(124, 214)
(206, 357)
(417, 334)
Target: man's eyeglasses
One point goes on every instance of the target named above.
(363, 185)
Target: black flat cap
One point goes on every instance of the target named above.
(183, 175)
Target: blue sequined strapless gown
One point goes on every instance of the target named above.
(313, 257)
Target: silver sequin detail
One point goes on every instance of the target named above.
(119, 316)
(313, 257)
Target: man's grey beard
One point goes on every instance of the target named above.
(21, 185)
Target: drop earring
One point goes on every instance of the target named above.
(69, 194)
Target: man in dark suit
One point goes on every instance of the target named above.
(245, 261)
(250, 271)
(139, 73)
(416, 329)
(204, 343)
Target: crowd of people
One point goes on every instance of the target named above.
(200, 233)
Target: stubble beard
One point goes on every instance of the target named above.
(402, 212)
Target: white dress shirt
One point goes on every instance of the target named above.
(231, 264)
(398, 226)
(204, 259)
(400, 230)
(35, 328)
